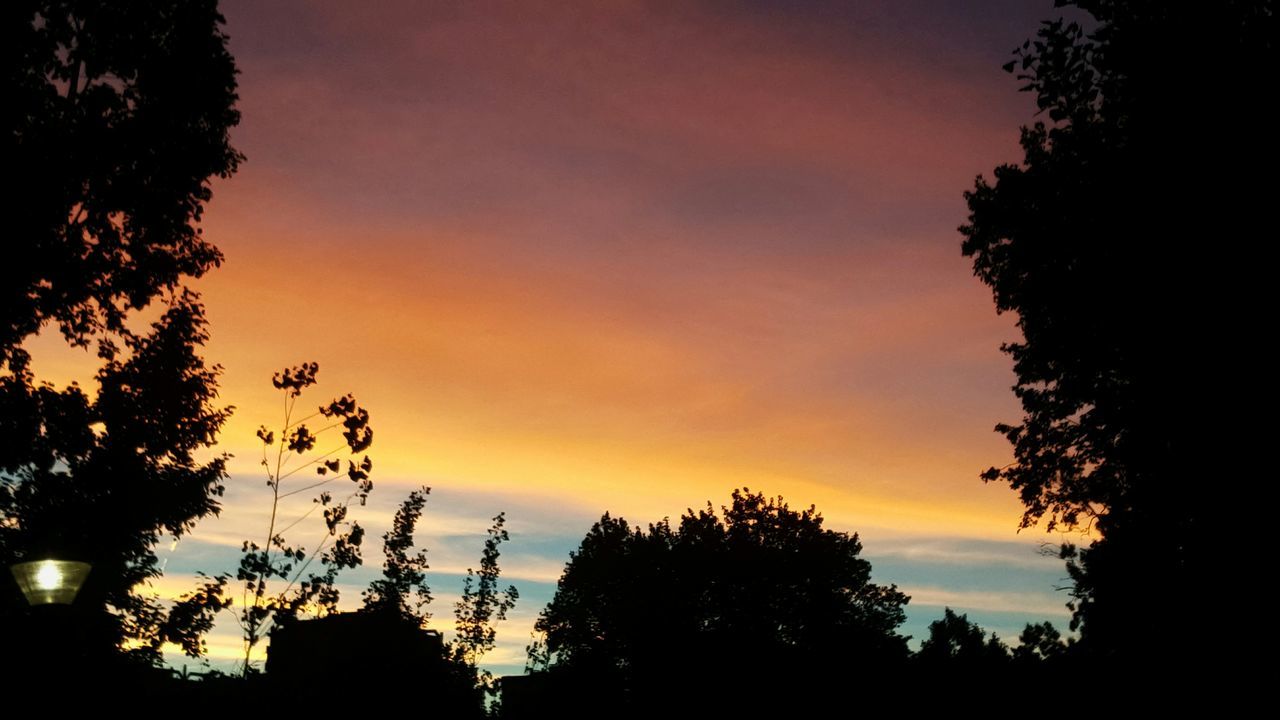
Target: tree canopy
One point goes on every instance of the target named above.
(116, 119)
(402, 591)
(758, 589)
(1123, 243)
(956, 641)
(101, 478)
(117, 115)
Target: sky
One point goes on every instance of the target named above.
(626, 257)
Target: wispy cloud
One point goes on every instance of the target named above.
(1031, 603)
(965, 551)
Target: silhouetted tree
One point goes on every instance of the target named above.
(759, 591)
(264, 606)
(1040, 642)
(1122, 242)
(954, 640)
(459, 685)
(402, 590)
(307, 589)
(101, 478)
(482, 604)
(116, 117)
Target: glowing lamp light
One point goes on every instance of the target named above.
(50, 582)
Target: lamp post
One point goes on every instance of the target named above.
(51, 634)
(50, 582)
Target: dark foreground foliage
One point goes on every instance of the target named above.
(1127, 244)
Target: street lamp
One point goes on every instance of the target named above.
(50, 582)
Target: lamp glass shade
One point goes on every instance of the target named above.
(50, 582)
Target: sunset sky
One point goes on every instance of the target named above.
(578, 257)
